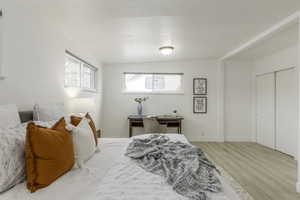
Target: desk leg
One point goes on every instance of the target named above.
(179, 128)
(130, 130)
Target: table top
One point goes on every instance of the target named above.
(160, 117)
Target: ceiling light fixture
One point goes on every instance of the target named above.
(166, 50)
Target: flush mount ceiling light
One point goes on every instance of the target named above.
(166, 50)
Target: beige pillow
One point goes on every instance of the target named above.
(76, 120)
(83, 140)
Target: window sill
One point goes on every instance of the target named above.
(154, 93)
(81, 89)
(79, 92)
(88, 90)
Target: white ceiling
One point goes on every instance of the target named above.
(122, 31)
(281, 40)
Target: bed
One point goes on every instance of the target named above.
(110, 175)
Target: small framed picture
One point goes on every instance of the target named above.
(200, 86)
(200, 105)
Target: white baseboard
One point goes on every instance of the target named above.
(206, 139)
(238, 139)
(298, 187)
(217, 139)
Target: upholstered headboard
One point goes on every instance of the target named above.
(26, 116)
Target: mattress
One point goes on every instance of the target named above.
(110, 175)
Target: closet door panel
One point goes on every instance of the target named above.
(286, 111)
(265, 89)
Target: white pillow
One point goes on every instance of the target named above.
(84, 142)
(12, 157)
(9, 116)
(48, 112)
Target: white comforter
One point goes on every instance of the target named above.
(109, 175)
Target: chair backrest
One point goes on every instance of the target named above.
(151, 125)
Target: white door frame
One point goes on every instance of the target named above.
(256, 108)
(277, 144)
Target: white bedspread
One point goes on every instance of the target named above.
(109, 175)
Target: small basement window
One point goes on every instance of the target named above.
(79, 74)
(161, 83)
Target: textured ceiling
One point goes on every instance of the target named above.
(122, 31)
(281, 40)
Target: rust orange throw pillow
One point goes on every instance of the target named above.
(76, 120)
(49, 154)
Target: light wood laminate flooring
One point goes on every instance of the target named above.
(264, 173)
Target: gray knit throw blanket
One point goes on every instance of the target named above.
(184, 166)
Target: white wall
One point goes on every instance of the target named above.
(1, 28)
(282, 59)
(34, 44)
(196, 127)
(240, 93)
(298, 62)
(276, 61)
(238, 101)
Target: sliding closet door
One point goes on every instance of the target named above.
(265, 88)
(286, 111)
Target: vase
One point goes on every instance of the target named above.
(140, 109)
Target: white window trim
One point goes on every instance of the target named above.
(83, 89)
(83, 62)
(179, 92)
(95, 81)
(155, 93)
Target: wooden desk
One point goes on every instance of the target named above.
(171, 121)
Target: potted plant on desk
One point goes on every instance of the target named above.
(140, 106)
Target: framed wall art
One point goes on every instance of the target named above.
(200, 86)
(200, 105)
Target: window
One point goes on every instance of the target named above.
(72, 72)
(79, 74)
(153, 82)
(88, 76)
